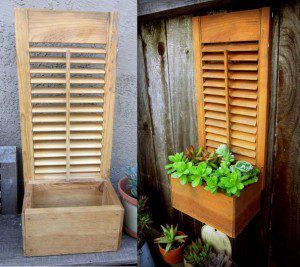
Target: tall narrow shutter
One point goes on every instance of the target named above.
(66, 67)
(231, 70)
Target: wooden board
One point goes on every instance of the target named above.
(227, 214)
(68, 218)
(66, 71)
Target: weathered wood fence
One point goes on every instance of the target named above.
(167, 123)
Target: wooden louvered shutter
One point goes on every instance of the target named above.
(66, 71)
(231, 73)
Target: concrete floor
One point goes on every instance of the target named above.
(11, 250)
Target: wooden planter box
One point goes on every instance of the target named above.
(67, 218)
(227, 214)
(66, 70)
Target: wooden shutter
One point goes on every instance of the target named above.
(231, 73)
(66, 71)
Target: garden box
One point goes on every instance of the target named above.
(66, 70)
(68, 218)
(227, 214)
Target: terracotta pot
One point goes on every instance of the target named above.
(130, 207)
(175, 255)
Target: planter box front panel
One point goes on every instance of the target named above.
(227, 214)
(67, 218)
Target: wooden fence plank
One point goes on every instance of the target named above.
(286, 202)
(182, 94)
(154, 37)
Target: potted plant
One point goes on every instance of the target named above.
(197, 254)
(127, 187)
(217, 190)
(171, 244)
(144, 223)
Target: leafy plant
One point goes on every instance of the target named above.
(224, 152)
(170, 239)
(131, 173)
(144, 220)
(198, 173)
(243, 166)
(197, 254)
(182, 171)
(193, 155)
(218, 170)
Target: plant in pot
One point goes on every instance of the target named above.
(219, 173)
(127, 187)
(171, 244)
(197, 254)
(144, 223)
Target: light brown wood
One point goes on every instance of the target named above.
(74, 27)
(198, 78)
(22, 45)
(228, 214)
(66, 107)
(109, 93)
(231, 27)
(67, 132)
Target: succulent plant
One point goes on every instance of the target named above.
(197, 254)
(170, 238)
(144, 220)
(131, 174)
(198, 173)
(243, 166)
(224, 152)
(219, 260)
(193, 155)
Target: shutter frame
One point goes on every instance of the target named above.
(85, 110)
(240, 92)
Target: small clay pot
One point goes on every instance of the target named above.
(130, 207)
(175, 255)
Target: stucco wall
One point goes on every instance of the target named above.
(124, 142)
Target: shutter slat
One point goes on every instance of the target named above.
(239, 75)
(243, 111)
(243, 66)
(243, 120)
(213, 66)
(83, 50)
(216, 123)
(248, 56)
(213, 74)
(248, 103)
(243, 94)
(243, 144)
(213, 57)
(229, 47)
(243, 136)
(214, 91)
(216, 137)
(82, 60)
(243, 152)
(214, 83)
(215, 115)
(215, 130)
(244, 128)
(215, 107)
(63, 71)
(248, 85)
(214, 99)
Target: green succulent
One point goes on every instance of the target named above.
(232, 183)
(212, 184)
(197, 254)
(170, 238)
(182, 171)
(243, 166)
(131, 173)
(224, 152)
(178, 157)
(198, 173)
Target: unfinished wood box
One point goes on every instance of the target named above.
(231, 59)
(66, 70)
